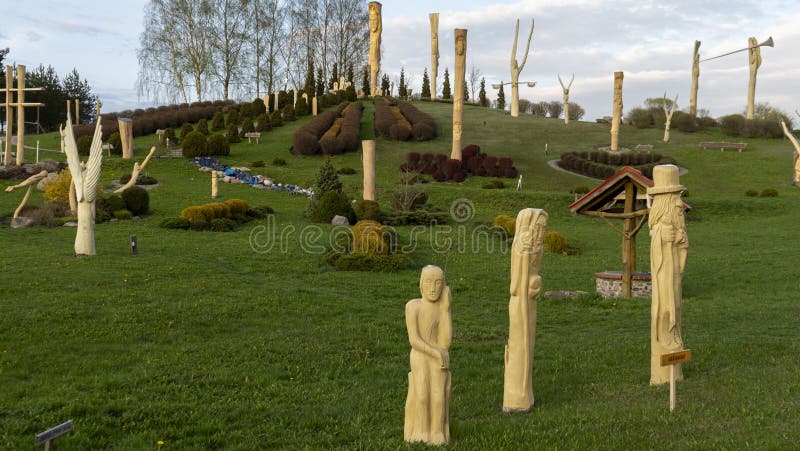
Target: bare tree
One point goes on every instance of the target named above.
(162, 66)
(228, 21)
(474, 80)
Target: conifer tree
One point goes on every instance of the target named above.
(446, 85)
(501, 98)
(365, 82)
(482, 93)
(426, 85)
(401, 89)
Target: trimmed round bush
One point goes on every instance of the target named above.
(346, 171)
(370, 238)
(506, 223)
(202, 126)
(751, 193)
(218, 145)
(174, 223)
(116, 143)
(278, 162)
(259, 212)
(769, 192)
(114, 202)
(194, 145)
(186, 128)
(554, 242)
(218, 122)
(258, 164)
(494, 184)
(137, 200)
(367, 210)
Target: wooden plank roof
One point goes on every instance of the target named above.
(609, 189)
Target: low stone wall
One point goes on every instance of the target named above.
(609, 284)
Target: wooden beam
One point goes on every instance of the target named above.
(600, 214)
(628, 241)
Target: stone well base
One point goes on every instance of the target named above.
(609, 284)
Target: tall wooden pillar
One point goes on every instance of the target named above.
(629, 240)
(9, 115)
(20, 115)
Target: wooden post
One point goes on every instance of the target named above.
(78, 112)
(628, 241)
(9, 115)
(368, 162)
(69, 108)
(671, 388)
(673, 360)
(126, 136)
(20, 115)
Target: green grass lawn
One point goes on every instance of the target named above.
(202, 341)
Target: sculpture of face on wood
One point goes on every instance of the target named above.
(431, 283)
(374, 15)
(461, 45)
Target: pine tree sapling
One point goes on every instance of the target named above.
(426, 85)
(446, 94)
(501, 98)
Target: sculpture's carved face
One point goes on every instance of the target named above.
(461, 45)
(431, 283)
(373, 19)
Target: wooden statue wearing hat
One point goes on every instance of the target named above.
(668, 250)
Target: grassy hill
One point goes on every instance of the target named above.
(204, 340)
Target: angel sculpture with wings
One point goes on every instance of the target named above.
(85, 176)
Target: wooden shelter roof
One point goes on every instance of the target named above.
(610, 189)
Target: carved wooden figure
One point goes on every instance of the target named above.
(565, 95)
(668, 113)
(617, 117)
(29, 182)
(126, 136)
(516, 68)
(695, 79)
(669, 246)
(137, 169)
(430, 331)
(755, 62)
(434, 19)
(526, 284)
(375, 30)
(85, 176)
(458, 91)
(214, 184)
(368, 160)
(796, 162)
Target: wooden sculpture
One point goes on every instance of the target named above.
(695, 79)
(137, 169)
(375, 29)
(458, 91)
(516, 68)
(668, 114)
(434, 19)
(565, 95)
(618, 76)
(755, 62)
(29, 182)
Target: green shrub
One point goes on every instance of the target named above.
(141, 180)
(494, 184)
(685, 122)
(202, 126)
(247, 127)
(554, 242)
(116, 143)
(751, 193)
(327, 179)
(259, 212)
(185, 130)
(123, 214)
(769, 192)
(84, 145)
(640, 118)
(368, 210)
(580, 189)
(370, 238)
(264, 124)
(278, 162)
(233, 117)
(174, 223)
(332, 203)
(238, 207)
(194, 145)
(230, 209)
(199, 225)
(218, 145)
(288, 113)
(222, 225)
(346, 171)
(258, 164)
(506, 223)
(137, 200)
(275, 119)
(218, 122)
(169, 134)
(114, 202)
(732, 124)
(233, 134)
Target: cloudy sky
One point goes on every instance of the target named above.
(651, 41)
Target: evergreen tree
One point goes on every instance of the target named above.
(350, 74)
(365, 82)
(401, 90)
(334, 76)
(320, 84)
(466, 93)
(310, 85)
(446, 85)
(327, 179)
(74, 88)
(482, 93)
(52, 113)
(426, 85)
(385, 88)
(501, 98)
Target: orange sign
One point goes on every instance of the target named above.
(676, 357)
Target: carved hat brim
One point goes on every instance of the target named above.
(665, 189)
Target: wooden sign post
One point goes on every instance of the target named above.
(671, 360)
(50, 434)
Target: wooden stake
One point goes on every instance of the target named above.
(671, 388)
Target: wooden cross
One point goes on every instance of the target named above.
(21, 105)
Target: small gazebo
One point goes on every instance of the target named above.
(622, 196)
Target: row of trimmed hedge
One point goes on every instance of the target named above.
(620, 158)
(472, 162)
(306, 140)
(346, 137)
(230, 209)
(581, 164)
(423, 127)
